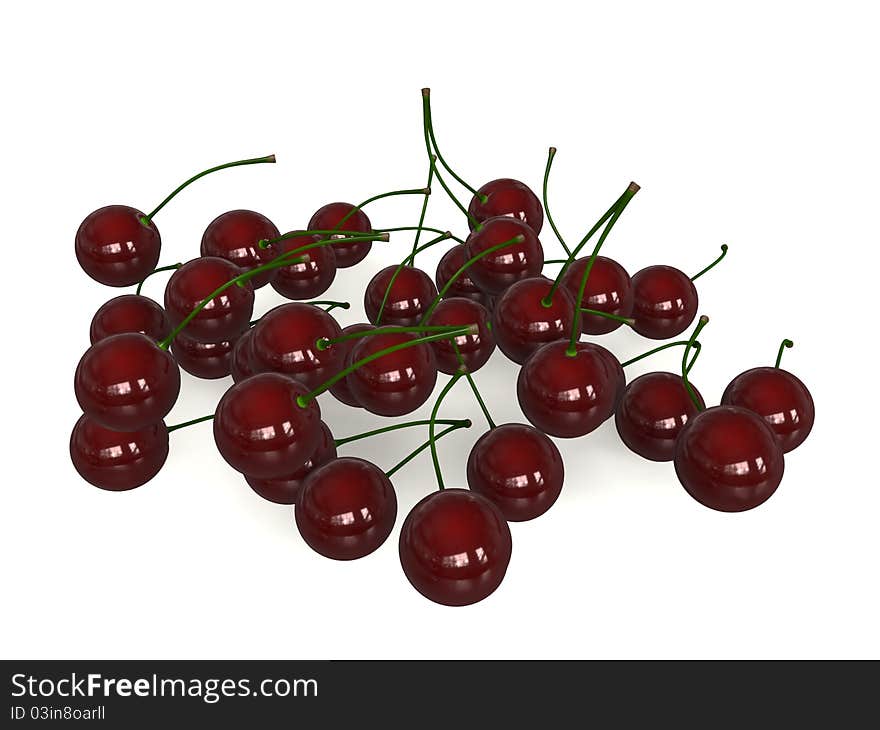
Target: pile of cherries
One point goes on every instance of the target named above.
(488, 290)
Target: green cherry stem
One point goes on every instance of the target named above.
(420, 449)
(193, 422)
(353, 235)
(785, 344)
(697, 348)
(550, 157)
(155, 271)
(396, 427)
(452, 381)
(607, 315)
(413, 228)
(420, 228)
(474, 389)
(713, 264)
(145, 220)
(324, 343)
(703, 321)
(678, 343)
(406, 262)
(414, 191)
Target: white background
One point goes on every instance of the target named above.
(755, 125)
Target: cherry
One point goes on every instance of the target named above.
(262, 431)
(569, 396)
(463, 286)
(240, 363)
(305, 279)
(608, 290)
(226, 316)
(407, 300)
(394, 384)
(235, 236)
(117, 460)
(126, 382)
(665, 302)
(285, 341)
(328, 218)
(729, 459)
(341, 390)
(654, 410)
(522, 323)
(507, 197)
(498, 270)
(475, 348)
(115, 248)
(455, 547)
(209, 360)
(130, 313)
(346, 509)
(285, 490)
(517, 468)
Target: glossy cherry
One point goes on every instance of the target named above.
(463, 286)
(569, 396)
(285, 341)
(240, 363)
(236, 235)
(498, 270)
(409, 297)
(507, 197)
(305, 279)
(346, 509)
(130, 313)
(285, 490)
(778, 397)
(518, 468)
(394, 384)
(115, 248)
(455, 547)
(126, 382)
(117, 460)
(608, 289)
(261, 430)
(341, 390)
(654, 410)
(665, 302)
(327, 219)
(226, 316)
(209, 360)
(475, 349)
(729, 459)
(522, 323)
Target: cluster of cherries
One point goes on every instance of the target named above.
(488, 290)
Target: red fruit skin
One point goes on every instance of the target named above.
(463, 286)
(341, 389)
(305, 279)
(475, 348)
(507, 197)
(240, 363)
(115, 248)
(207, 360)
(410, 296)
(498, 270)
(130, 313)
(327, 219)
(236, 235)
(665, 302)
(608, 290)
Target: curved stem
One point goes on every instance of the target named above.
(413, 228)
(607, 315)
(190, 423)
(703, 321)
(713, 264)
(407, 261)
(473, 385)
(323, 343)
(419, 228)
(332, 304)
(426, 101)
(464, 424)
(266, 242)
(397, 427)
(145, 220)
(155, 271)
(782, 346)
(550, 157)
(452, 381)
(678, 343)
(555, 261)
(697, 347)
(416, 191)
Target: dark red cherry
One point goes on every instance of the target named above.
(226, 316)
(240, 364)
(117, 460)
(511, 198)
(305, 279)
(780, 398)
(517, 468)
(665, 302)
(568, 396)
(285, 341)
(341, 390)
(285, 490)
(654, 409)
(475, 349)
(522, 324)
(410, 296)
(209, 360)
(261, 430)
(455, 547)
(608, 290)
(126, 382)
(115, 248)
(130, 313)
(729, 459)
(346, 509)
(498, 270)
(394, 384)
(463, 286)
(236, 235)
(327, 219)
